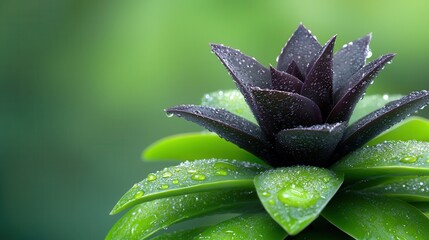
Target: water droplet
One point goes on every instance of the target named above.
(408, 159)
(167, 174)
(192, 171)
(271, 202)
(164, 186)
(326, 179)
(151, 177)
(170, 115)
(221, 172)
(224, 165)
(266, 194)
(198, 177)
(175, 181)
(138, 194)
(296, 197)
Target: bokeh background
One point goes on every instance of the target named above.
(83, 85)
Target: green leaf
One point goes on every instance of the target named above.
(192, 146)
(147, 218)
(423, 207)
(248, 226)
(370, 216)
(371, 103)
(183, 234)
(388, 158)
(413, 128)
(231, 100)
(295, 196)
(191, 177)
(407, 188)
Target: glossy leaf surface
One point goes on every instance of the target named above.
(349, 60)
(178, 235)
(371, 103)
(295, 196)
(373, 124)
(193, 146)
(283, 81)
(248, 226)
(301, 48)
(233, 128)
(413, 128)
(318, 83)
(388, 158)
(294, 144)
(407, 188)
(191, 177)
(376, 217)
(346, 103)
(282, 110)
(147, 218)
(231, 100)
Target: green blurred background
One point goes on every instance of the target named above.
(83, 85)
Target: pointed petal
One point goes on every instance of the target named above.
(311, 145)
(343, 109)
(371, 125)
(245, 70)
(365, 76)
(231, 127)
(293, 70)
(349, 60)
(282, 110)
(318, 84)
(284, 81)
(302, 47)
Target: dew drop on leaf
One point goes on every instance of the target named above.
(198, 177)
(138, 194)
(408, 159)
(175, 181)
(296, 197)
(164, 186)
(151, 177)
(221, 172)
(167, 174)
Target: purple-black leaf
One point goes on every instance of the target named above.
(284, 81)
(293, 70)
(311, 145)
(357, 134)
(343, 109)
(302, 47)
(227, 125)
(281, 110)
(245, 70)
(349, 60)
(365, 74)
(318, 83)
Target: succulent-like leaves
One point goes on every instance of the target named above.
(233, 128)
(181, 234)
(295, 196)
(246, 71)
(349, 60)
(283, 81)
(147, 218)
(293, 70)
(191, 177)
(370, 216)
(255, 226)
(318, 83)
(301, 48)
(311, 145)
(358, 82)
(343, 109)
(388, 158)
(282, 110)
(376, 122)
(371, 103)
(407, 188)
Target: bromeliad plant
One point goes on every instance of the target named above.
(302, 153)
